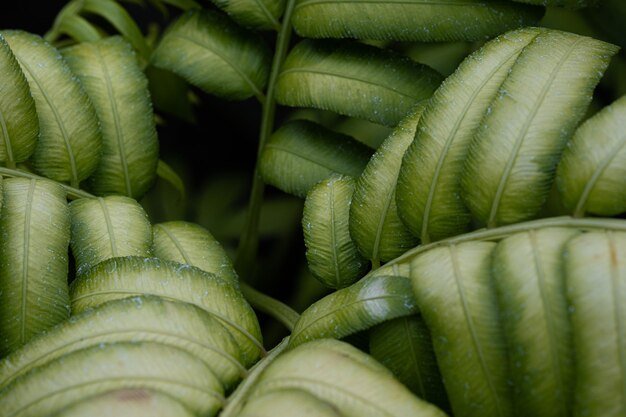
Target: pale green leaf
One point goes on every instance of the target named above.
(452, 287)
(411, 20)
(512, 159)
(258, 14)
(369, 302)
(78, 28)
(375, 225)
(346, 378)
(429, 187)
(301, 153)
(288, 403)
(332, 256)
(591, 176)
(18, 118)
(355, 80)
(102, 368)
(213, 53)
(595, 278)
(529, 282)
(34, 225)
(69, 135)
(109, 71)
(130, 276)
(108, 227)
(191, 244)
(136, 319)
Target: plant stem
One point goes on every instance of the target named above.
(271, 306)
(249, 242)
(73, 193)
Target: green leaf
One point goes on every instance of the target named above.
(214, 54)
(191, 244)
(595, 277)
(570, 4)
(19, 126)
(411, 20)
(258, 14)
(593, 164)
(136, 319)
(167, 173)
(301, 153)
(529, 282)
(170, 94)
(355, 80)
(287, 403)
(102, 368)
(332, 256)
(349, 380)
(118, 89)
(69, 135)
(368, 302)
(452, 287)
(131, 276)
(429, 187)
(405, 347)
(375, 225)
(108, 227)
(78, 28)
(34, 225)
(512, 159)
(183, 4)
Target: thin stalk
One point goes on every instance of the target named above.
(73, 193)
(271, 306)
(249, 242)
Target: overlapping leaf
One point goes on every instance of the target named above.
(259, 14)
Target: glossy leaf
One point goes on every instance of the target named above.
(69, 135)
(109, 71)
(452, 287)
(358, 307)
(405, 347)
(332, 256)
(136, 319)
(35, 226)
(412, 20)
(102, 368)
(258, 14)
(19, 126)
(591, 175)
(301, 153)
(213, 53)
(429, 186)
(595, 276)
(346, 378)
(375, 225)
(512, 159)
(130, 276)
(108, 227)
(191, 244)
(355, 80)
(529, 282)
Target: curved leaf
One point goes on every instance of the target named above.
(332, 256)
(131, 276)
(102, 368)
(69, 136)
(344, 377)
(570, 4)
(375, 225)
(136, 319)
(592, 168)
(452, 287)
(258, 14)
(357, 307)
(191, 244)
(529, 282)
(78, 28)
(108, 227)
(287, 403)
(411, 20)
(213, 53)
(512, 159)
(35, 226)
(130, 402)
(167, 173)
(595, 277)
(405, 347)
(429, 186)
(19, 126)
(355, 80)
(301, 153)
(118, 88)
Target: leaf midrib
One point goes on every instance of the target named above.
(176, 243)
